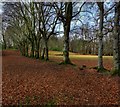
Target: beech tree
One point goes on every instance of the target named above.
(48, 20)
(116, 43)
(5, 20)
(65, 15)
(100, 51)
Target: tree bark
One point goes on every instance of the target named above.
(100, 53)
(37, 50)
(32, 49)
(43, 53)
(100, 45)
(116, 41)
(46, 50)
(26, 48)
(4, 42)
(66, 44)
(68, 17)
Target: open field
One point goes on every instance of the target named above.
(76, 55)
(79, 60)
(28, 81)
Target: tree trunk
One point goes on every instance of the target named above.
(68, 15)
(100, 45)
(40, 51)
(26, 49)
(37, 50)
(32, 49)
(100, 53)
(43, 53)
(4, 42)
(66, 44)
(37, 46)
(22, 48)
(116, 41)
(46, 50)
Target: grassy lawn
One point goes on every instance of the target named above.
(77, 56)
(79, 60)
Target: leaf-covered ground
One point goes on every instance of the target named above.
(28, 81)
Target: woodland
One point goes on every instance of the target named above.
(61, 53)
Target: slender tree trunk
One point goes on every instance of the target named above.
(27, 54)
(83, 47)
(46, 50)
(33, 29)
(116, 41)
(90, 50)
(40, 51)
(93, 51)
(26, 49)
(100, 53)
(32, 49)
(4, 42)
(37, 50)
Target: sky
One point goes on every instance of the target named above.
(1, 8)
(83, 18)
(0, 21)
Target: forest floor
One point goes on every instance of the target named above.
(27, 81)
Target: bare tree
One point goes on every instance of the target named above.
(100, 51)
(48, 20)
(65, 14)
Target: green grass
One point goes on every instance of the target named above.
(76, 56)
(13, 49)
(0, 47)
